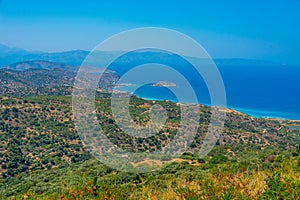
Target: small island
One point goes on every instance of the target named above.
(164, 84)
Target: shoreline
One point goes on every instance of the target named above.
(256, 113)
(270, 115)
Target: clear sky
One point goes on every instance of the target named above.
(257, 29)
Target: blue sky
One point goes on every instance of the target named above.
(255, 29)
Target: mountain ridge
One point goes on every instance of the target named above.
(10, 55)
(38, 64)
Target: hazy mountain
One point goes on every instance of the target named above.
(75, 58)
(13, 55)
(6, 49)
(38, 64)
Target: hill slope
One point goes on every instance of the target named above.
(38, 64)
(42, 157)
(38, 132)
(41, 78)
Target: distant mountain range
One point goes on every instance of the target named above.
(39, 64)
(14, 58)
(13, 55)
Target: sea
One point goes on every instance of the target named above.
(258, 89)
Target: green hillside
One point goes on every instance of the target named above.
(43, 157)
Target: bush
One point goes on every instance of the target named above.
(276, 189)
(218, 159)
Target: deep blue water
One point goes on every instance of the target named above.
(260, 91)
(264, 91)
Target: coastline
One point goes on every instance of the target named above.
(271, 115)
(256, 113)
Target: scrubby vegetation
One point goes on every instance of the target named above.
(42, 157)
(186, 178)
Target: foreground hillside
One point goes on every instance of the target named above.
(39, 150)
(185, 178)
